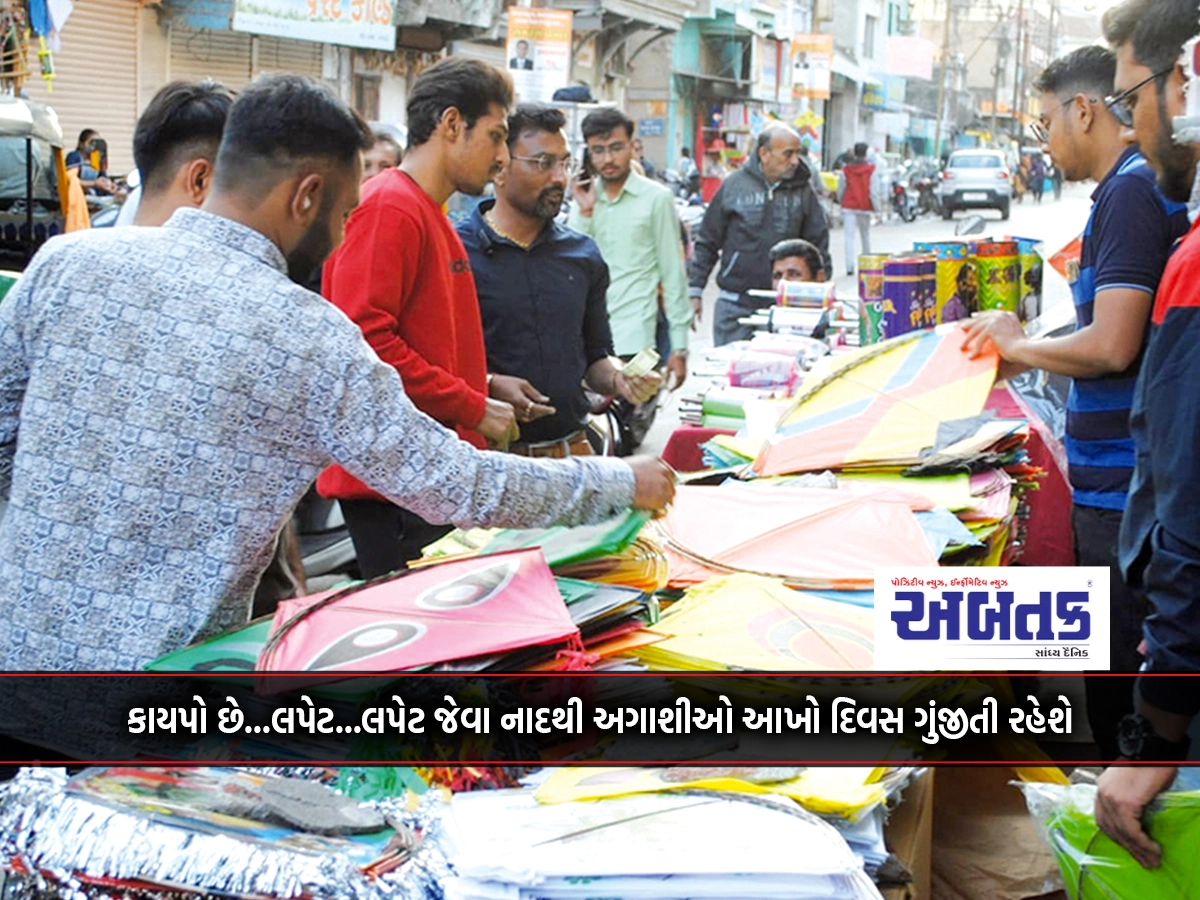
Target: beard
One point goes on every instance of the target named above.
(1176, 168)
(306, 257)
(1175, 162)
(549, 203)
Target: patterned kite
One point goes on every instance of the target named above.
(880, 406)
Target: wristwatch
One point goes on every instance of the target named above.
(1137, 740)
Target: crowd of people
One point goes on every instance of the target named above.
(1133, 413)
(170, 392)
(297, 306)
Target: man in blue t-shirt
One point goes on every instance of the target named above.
(1128, 238)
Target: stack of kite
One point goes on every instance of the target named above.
(908, 417)
(612, 552)
(644, 846)
(853, 799)
(489, 613)
(157, 833)
(750, 623)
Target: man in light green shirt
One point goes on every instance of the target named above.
(633, 221)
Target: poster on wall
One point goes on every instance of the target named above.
(538, 51)
(811, 128)
(768, 81)
(349, 23)
(812, 66)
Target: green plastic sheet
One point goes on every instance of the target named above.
(1094, 867)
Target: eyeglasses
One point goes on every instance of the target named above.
(1122, 104)
(1040, 127)
(546, 163)
(599, 150)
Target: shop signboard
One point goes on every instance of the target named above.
(653, 127)
(885, 92)
(812, 66)
(538, 51)
(370, 24)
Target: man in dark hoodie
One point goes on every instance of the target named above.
(768, 200)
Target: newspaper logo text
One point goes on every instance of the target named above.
(990, 616)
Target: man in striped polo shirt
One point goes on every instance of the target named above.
(1128, 238)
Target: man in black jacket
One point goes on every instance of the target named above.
(770, 199)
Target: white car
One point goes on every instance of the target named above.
(976, 179)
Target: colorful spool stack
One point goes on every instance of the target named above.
(947, 281)
(1029, 305)
(904, 284)
(999, 267)
(870, 296)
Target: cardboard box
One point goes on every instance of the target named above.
(909, 834)
(988, 847)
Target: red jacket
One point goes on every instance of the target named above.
(857, 194)
(402, 275)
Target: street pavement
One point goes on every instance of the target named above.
(1055, 222)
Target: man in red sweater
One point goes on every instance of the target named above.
(403, 276)
(857, 205)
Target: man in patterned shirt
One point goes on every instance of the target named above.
(167, 395)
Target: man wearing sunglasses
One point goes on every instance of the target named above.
(1126, 242)
(542, 291)
(1160, 536)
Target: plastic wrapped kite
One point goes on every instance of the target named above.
(1094, 867)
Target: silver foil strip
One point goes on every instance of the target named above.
(60, 836)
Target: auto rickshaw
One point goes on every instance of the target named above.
(34, 195)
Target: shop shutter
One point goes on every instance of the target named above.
(281, 55)
(198, 53)
(231, 57)
(95, 82)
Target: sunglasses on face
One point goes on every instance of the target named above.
(1122, 104)
(1040, 127)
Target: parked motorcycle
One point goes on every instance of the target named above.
(926, 183)
(902, 201)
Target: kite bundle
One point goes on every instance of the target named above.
(526, 623)
(190, 833)
(913, 415)
(644, 846)
(1094, 867)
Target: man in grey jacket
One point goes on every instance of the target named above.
(770, 199)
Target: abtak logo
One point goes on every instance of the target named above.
(1011, 618)
(984, 615)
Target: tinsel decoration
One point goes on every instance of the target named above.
(57, 845)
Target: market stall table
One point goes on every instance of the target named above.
(1048, 530)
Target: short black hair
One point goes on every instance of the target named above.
(860, 149)
(1158, 29)
(468, 85)
(602, 121)
(534, 117)
(281, 121)
(184, 121)
(685, 152)
(1088, 70)
(382, 137)
(797, 247)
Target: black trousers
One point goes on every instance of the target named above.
(1110, 699)
(385, 536)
